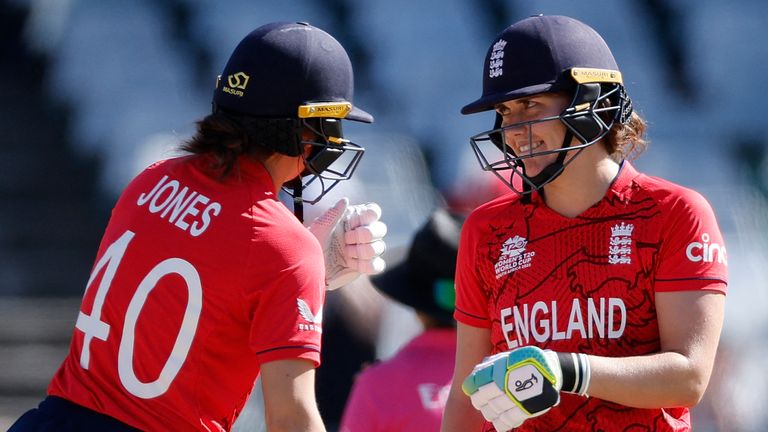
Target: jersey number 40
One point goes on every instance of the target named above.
(93, 327)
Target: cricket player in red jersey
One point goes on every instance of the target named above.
(591, 300)
(204, 279)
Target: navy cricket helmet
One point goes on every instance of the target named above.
(542, 54)
(285, 78)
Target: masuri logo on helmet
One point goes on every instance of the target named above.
(298, 78)
(236, 81)
(331, 109)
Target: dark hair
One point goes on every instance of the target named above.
(226, 138)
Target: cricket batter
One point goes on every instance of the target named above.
(204, 279)
(591, 300)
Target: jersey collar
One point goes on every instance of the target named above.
(624, 178)
(626, 175)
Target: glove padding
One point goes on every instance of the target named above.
(513, 386)
(352, 241)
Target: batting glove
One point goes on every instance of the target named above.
(510, 387)
(352, 241)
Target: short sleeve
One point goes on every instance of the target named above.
(471, 300)
(285, 295)
(693, 255)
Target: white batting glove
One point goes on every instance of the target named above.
(352, 241)
(511, 387)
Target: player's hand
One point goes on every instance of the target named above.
(352, 241)
(511, 387)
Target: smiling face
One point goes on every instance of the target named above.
(528, 138)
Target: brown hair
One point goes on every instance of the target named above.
(225, 138)
(623, 141)
(627, 141)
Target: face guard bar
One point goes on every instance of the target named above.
(589, 117)
(332, 159)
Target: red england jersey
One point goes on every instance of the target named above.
(197, 282)
(587, 284)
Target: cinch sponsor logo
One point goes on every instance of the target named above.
(603, 318)
(705, 251)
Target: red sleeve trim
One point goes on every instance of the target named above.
(692, 284)
(307, 352)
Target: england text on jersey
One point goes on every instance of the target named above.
(583, 318)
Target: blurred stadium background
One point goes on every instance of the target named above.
(94, 90)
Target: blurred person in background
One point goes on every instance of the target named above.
(593, 298)
(467, 194)
(407, 392)
(204, 280)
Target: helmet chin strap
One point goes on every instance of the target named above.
(549, 173)
(298, 201)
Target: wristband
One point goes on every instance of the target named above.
(576, 372)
